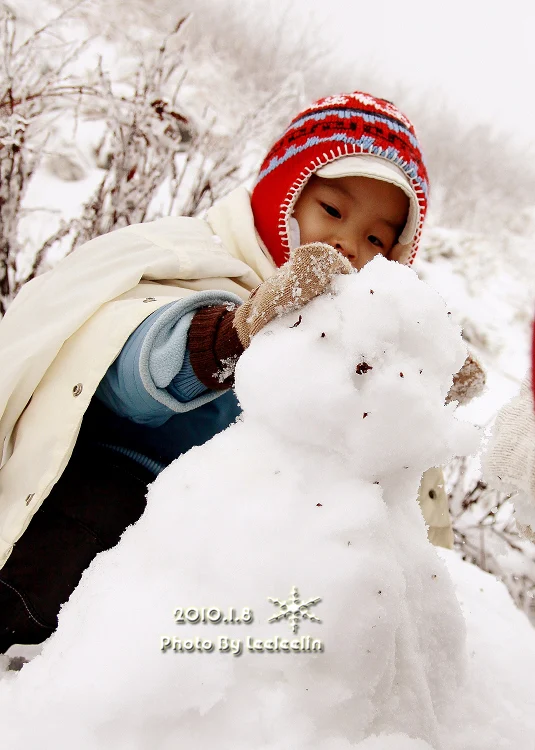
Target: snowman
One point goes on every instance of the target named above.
(279, 590)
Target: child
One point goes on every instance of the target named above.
(122, 357)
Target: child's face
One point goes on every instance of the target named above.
(359, 216)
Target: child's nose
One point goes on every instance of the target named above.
(349, 250)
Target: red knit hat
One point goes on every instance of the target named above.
(331, 129)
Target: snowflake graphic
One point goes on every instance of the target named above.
(294, 609)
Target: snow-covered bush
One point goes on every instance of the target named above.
(485, 532)
(156, 155)
(36, 86)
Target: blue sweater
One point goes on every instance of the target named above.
(150, 404)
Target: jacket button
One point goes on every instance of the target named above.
(78, 388)
(149, 299)
(432, 494)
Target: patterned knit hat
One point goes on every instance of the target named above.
(332, 129)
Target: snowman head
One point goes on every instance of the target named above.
(361, 372)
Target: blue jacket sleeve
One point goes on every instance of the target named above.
(152, 378)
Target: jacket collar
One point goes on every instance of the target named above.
(231, 218)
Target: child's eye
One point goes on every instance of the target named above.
(375, 240)
(331, 210)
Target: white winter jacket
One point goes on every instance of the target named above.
(66, 327)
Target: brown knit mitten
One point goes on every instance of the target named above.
(214, 346)
(306, 275)
(468, 383)
(218, 335)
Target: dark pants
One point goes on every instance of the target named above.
(99, 494)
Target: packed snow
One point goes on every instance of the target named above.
(300, 520)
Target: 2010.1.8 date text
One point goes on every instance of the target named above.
(215, 615)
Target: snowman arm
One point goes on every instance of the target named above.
(468, 383)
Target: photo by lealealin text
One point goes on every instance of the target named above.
(237, 646)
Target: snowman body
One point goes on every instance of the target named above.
(280, 590)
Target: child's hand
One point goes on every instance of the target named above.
(468, 383)
(218, 335)
(304, 276)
